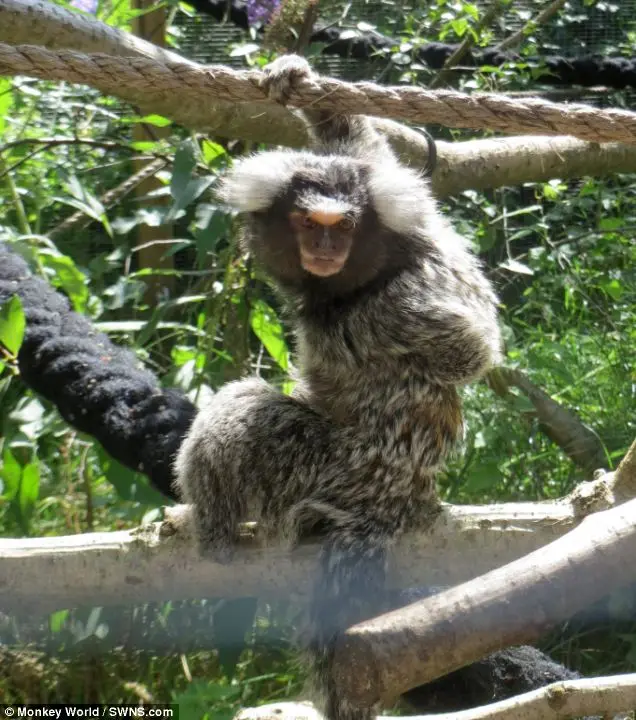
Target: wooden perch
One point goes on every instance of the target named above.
(39, 575)
(384, 657)
(603, 696)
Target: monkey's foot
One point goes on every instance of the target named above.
(282, 75)
(177, 520)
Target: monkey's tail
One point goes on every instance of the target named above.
(351, 587)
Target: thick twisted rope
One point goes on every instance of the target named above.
(98, 388)
(145, 76)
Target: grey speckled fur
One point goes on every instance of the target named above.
(382, 346)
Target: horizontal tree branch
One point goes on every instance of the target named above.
(475, 164)
(511, 605)
(149, 564)
(603, 696)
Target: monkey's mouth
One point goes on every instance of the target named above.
(322, 266)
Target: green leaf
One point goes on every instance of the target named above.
(12, 325)
(29, 490)
(69, 278)
(128, 484)
(611, 223)
(6, 102)
(484, 476)
(10, 472)
(246, 49)
(613, 288)
(212, 151)
(184, 163)
(460, 26)
(188, 194)
(57, 620)
(153, 119)
(269, 331)
(516, 267)
(207, 238)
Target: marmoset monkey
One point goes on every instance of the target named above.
(391, 312)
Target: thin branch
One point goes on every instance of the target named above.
(50, 142)
(469, 40)
(539, 19)
(306, 29)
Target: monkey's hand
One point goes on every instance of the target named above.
(281, 77)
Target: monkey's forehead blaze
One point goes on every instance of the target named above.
(331, 189)
(398, 194)
(256, 183)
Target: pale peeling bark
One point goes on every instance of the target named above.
(512, 605)
(151, 563)
(476, 164)
(604, 696)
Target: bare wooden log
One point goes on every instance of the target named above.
(146, 564)
(512, 605)
(603, 696)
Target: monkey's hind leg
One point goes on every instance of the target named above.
(209, 466)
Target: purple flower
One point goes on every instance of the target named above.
(260, 11)
(89, 6)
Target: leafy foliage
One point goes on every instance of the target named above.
(562, 254)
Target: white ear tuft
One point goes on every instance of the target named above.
(254, 183)
(400, 196)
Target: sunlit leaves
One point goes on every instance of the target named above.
(12, 325)
(20, 486)
(6, 102)
(82, 199)
(66, 275)
(269, 331)
(185, 186)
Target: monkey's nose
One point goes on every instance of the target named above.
(324, 242)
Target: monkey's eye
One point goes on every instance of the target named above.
(346, 224)
(307, 222)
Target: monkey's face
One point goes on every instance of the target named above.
(324, 207)
(313, 221)
(320, 229)
(324, 235)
